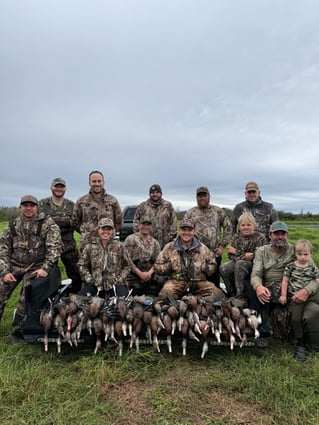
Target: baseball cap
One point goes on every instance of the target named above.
(187, 223)
(202, 189)
(105, 222)
(278, 225)
(29, 198)
(251, 186)
(58, 180)
(155, 188)
(146, 219)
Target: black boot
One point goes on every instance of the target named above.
(16, 332)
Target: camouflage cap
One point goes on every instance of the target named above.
(202, 189)
(29, 198)
(155, 188)
(146, 219)
(278, 226)
(187, 223)
(252, 186)
(58, 180)
(105, 222)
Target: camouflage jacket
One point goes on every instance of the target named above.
(60, 214)
(104, 266)
(140, 251)
(24, 243)
(244, 245)
(264, 214)
(196, 262)
(89, 209)
(164, 220)
(212, 226)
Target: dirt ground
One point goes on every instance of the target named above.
(137, 406)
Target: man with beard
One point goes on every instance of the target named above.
(187, 262)
(162, 214)
(90, 208)
(265, 290)
(30, 246)
(264, 212)
(213, 227)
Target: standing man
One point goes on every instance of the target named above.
(96, 204)
(265, 289)
(264, 212)
(162, 214)
(30, 247)
(60, 210)
(213, 227)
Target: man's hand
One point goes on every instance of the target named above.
(40, 273)
(263, 294)
(219, 251)
(300, 296)
(9, 278)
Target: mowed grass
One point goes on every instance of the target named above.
(243, 386)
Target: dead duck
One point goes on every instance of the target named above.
(97, 326)
(46, 320)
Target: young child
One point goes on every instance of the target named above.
(241, 253)
(296, 276)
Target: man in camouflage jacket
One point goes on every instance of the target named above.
(213, 227)
(264, 212)
(96, 204)
(162, 214)
(30, 247)
(187, 263)
(60, 210)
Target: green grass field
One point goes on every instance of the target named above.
(243, 386)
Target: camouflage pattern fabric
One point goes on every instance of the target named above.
(62, 216)
(104, 266)
(264, 213)
(212, 226)
(299, 277)
(163, 220)
(26, 249)
(143, 255)
(89, 209)
(236, 271)
(187, 269)
(268, 269)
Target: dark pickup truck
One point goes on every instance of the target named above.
(128, 216)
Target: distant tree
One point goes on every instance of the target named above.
(8, 213)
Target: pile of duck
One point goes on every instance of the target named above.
(128, 321)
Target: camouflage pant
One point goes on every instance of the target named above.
(177, 289)
(297, 314)
(70, 258)
(6, 290)
(234, 274)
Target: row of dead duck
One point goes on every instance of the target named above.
(130, 318)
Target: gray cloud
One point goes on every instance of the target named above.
(179, 93)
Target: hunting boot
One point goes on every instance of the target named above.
(16, 332)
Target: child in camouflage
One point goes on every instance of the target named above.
(296, 276)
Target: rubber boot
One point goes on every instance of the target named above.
(16, 331)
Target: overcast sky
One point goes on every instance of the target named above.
(176, 92)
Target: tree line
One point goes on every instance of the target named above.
(9, 213)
